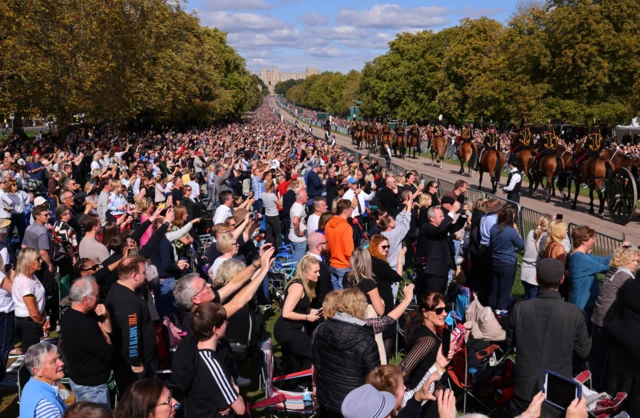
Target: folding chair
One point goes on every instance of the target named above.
(276, 399)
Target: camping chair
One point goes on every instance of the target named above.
(276, 399)
(460, 376)
(601, 408)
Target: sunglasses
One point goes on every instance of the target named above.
(385, 247)
(439, 311)
(94, 267)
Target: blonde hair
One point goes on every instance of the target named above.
(224, 242)
(352, 302)
(329, 303)
(543, 226)
(555, 233)
(425, 200)
(384, 378)
(303, 266)
(25, 258)
(144, 204)
(623, 256)
(114, 184)
(360, 263)
(227, 271)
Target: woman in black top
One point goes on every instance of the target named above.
(296, 312)
(423, 341)
(432, 190)
(385, 276)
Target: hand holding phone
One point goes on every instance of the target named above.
(446, 341)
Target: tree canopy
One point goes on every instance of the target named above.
(565, 60)
(119, 61)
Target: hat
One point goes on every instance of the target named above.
(39, 201)
(294, 176)
(513, 159)
(492, 205)
(5, 223)
(550, 270)
(352, 180)
(367, 402)
(447, 200)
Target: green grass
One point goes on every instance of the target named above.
(30, 134)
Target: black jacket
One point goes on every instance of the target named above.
(343, 353)
(385, 276)
(546, 332)
(436, 246)
(323, 286)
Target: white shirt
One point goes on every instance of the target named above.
(195, 189)
(135, 187)
(312, 223)
(516, 178)
(23, 286)
(297, 210)
(362, 197)
(222, 213)
(5, 206)
(95, 165)
(6, 301)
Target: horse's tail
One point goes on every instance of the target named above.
(559, 164)
(497, 170)
(608, 168)
(474, 155)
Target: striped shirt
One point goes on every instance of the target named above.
(46, 409)
(211, 390)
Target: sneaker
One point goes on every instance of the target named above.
(242, 381)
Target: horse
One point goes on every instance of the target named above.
(358, 137)
(387, 138)
(593, 172)
(548, 168)
(438, 150)
(373, 137)
(401, 143)
(617, 158)
(564, 177)
(413, 143)
(492, 163)
(467, 153)
(525, 160)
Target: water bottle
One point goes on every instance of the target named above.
(306, 399)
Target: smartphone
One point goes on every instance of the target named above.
(560, 391)
(255, 214)
(446, 341)
(162, 205)
(559, 217)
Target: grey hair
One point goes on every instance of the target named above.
(183, 290)
(431, 213)
(36, 353)
(227, 270)
(300, 193)
(82, 288)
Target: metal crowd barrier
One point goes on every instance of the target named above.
(474, 195)
(604, 244)
(528, 220)
(445, 187)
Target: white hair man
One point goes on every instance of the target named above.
(40, 396)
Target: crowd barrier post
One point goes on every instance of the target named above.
(474, 195)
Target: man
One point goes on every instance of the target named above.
(85, 329)
(225, 210)
(314, 184)
(298, 229)
(435, 247)
(89, 246)
(390, 195)
(524, 138)
(546, 332)
(548, 146)
(514, 180)
(330, 186)
(103, 201)
(317, 246)
(40, 397)
(339, 235)
(133, 336)
(491, 141)
(35, 168)
(459, 189)
(593, 146)
(357, 197)
(319, 207)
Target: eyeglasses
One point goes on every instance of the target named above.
(385, 247)
(435, 186)
(323, 243)
(45, 214)
(204, 287)
(439, 311)
(168, 402)
(94, 267)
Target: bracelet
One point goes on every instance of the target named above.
(439, 369)
(256, 267)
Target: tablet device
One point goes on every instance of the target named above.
(560, 391)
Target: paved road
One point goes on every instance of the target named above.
(449, 172)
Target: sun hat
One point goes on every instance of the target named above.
(368, 402)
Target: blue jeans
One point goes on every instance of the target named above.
(7, 335)
(97, 394)
(299, 250)
(165, 302)
(456, 244)
(502, 276)
(530, 290)
(336, 277)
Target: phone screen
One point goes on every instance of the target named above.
(446, 341)
(559, 391)
(559, 217)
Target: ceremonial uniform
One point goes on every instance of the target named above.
(514, 181)
(491, 141)
(549, 145)
(524, 139)
(593, 146)
(327, 129)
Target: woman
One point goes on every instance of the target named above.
(29, 299)
(472, 268)
(322, 222)
(386, 277)
(343, 352)
(228, 247)
(395, 230)
(424, 203)
(159, 191)
(361, 277)
(583, 268)
(624, 265)
(19, 199)
(533, 251)
(296, 312)
(147, 398)
(504, 241)
(7, 308)
(432, 190)
(66, 241)
(557, 246)
(117, 200)
(271, 204)
(183, 243)
(422, 339)
(146, 208)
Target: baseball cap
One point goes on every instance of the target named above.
(550, 270)
(352, 180)
(367, 402)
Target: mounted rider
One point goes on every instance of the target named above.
(593, 146)
(327, 129)
(414, 130)
(524, 138)
(491, 141)
(549, 145)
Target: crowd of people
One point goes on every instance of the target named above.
(121, 219)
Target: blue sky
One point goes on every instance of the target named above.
(328, 34)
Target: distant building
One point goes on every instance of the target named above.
(271, 78)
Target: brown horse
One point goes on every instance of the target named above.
(564, 177)
(467, 154)
(358, 138)
(372, 140)
(548, 168)
(438, 150)
(401, 143)
(525, 160)
(492, 163)
(413, 143)
(617, 158)
(386, 139)
(593, 172)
